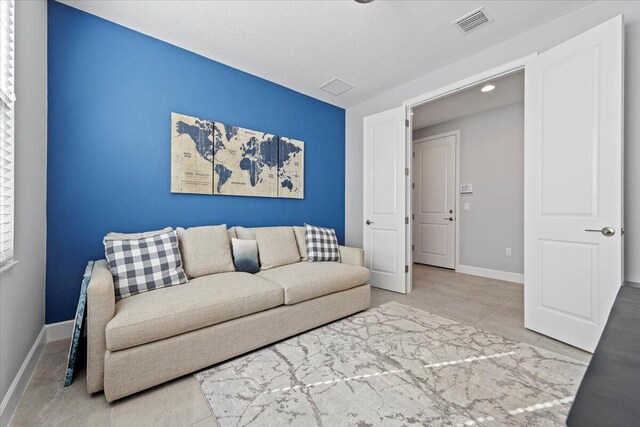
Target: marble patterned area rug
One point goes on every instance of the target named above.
(393, 365)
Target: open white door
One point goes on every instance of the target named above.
(573, 185)
(384, 198)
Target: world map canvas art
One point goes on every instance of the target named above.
(191, 155)
(245, 162)
(290, 168)
(215, 158)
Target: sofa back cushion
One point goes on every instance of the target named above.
(300, 240)
(133, 236)
(277, 246)
(140, 264)
(205, 250)
(245, 233)
(232, 233)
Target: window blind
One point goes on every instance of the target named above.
(7, 100)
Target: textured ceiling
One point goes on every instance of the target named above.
(509, 90)
(304, 44)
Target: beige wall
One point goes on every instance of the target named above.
(22, 287)
(536, 40)
(492, 159)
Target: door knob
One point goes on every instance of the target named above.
(369, 222)
(606, 231)
(450, 218)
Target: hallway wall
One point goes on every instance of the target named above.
(492, 159)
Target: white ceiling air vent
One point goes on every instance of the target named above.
(337, 87)
(472, 21)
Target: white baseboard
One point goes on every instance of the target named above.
(19, 384)
(491, 274)
(52, 332)
(60, 330)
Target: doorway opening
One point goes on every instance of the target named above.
(573, 185)
(467, 198)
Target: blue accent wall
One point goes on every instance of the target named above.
(111, 94)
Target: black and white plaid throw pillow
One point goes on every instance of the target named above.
(140, 265)
(322, 244)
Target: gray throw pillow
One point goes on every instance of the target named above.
(322, 244)
(245, 255)
(132, 236)
(144, 264)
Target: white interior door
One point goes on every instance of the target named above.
(434, 200)
(384, 198)
(573, 185)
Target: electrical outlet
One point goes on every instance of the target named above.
(507, 251)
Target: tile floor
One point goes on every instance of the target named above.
(488, 304)
(492, 305)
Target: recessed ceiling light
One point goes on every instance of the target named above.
(364, 1)
(488, 88)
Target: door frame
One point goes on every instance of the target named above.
(411, 103)
(456, 232)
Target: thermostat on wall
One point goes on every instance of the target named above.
(466, 188)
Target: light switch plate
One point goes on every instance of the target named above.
(466, 206)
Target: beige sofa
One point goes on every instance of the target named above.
(149, 338)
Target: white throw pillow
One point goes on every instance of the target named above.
(245, 255)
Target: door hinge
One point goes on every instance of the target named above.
(406, 123)
(413, 247)
(414, 154)
(406, 268)
(413, 216)
(413, 185)
(406, 171)
(406, 220)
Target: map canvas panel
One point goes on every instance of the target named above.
(245, 162)
(191, 155)
(290, 168)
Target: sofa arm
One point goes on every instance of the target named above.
(101, 307)
(353, 256)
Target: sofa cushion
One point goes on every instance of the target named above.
(300, 240)
(307, 280)
(203, 302)
(245, 233)
(232, 233)
(277, 246)
(205, 250)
